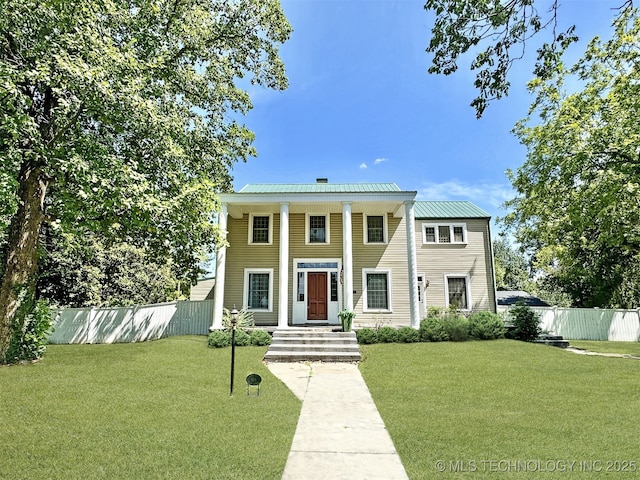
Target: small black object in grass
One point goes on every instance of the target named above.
(253, 380)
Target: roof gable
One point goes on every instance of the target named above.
(448, 209)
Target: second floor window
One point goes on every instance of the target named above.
(375, 229)
(317, 229)
(444, 233)
(260, 232)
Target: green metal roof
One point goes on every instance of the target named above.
(448, 209)
(320, 188)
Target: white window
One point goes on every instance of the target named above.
(317, 229)
(375, 229)
(258, 289)
(457, 291)
(260, 228)
(444, 233)
(376, 290)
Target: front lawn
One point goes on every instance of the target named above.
(506, 408)
(148, 410)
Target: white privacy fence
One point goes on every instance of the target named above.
(590, 323)
(150, 322)
(131, 324)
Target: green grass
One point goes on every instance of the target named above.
(149, 410)
(496, 408)
(625, 348)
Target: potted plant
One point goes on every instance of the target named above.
(346, 317)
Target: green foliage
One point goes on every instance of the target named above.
(245, 319)
(219, 339)
(387, 335)
(260, 338)
(435, 311)
(86, 272)
(432, 329)
(456, 326)
(366, 336)
(30, 329)
(526, 323)
(486, 326)
(502, 29)
(510, 265)
(576, 210)
(408, 335)
(346, 318)
(123, 118)
(242, 338)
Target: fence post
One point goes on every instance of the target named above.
(90, 323)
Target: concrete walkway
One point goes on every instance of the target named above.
(340, 434)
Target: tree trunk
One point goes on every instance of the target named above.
(22, 248)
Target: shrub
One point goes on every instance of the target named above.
(486, 326)
(260, 338)
(242, 338)
(219, 339)
(526, 323)
(408, 335)
(456, 326)
(432, 330)
(245, 319)
(387, 335)
(29, 330)
(367, 336)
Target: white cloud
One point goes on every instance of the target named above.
(363, 166)
(379, 160)
(483, 193)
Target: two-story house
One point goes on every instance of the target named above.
(298, 254)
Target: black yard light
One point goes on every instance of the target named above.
(234, 322)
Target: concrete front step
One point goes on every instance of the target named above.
(313, 348)
(305, 344)
(553, 341)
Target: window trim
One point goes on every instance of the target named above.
(365, 230)
(467, 284)
(245, 290)
(307, 229)
(365, 306)
(451, 226)
(250, 229)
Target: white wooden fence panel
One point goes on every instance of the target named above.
(590, 323)
(131, 324)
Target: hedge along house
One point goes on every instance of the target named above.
(298, 254)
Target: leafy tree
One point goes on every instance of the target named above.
(115, 117)
(501, 31)
(83, 272)
(577, 207)
(511, 268)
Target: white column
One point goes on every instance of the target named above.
(413, 266)
(283, 283)
(347, 256)
(221, 261)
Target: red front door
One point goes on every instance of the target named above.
(317, 296)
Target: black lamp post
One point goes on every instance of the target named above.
(234, 322)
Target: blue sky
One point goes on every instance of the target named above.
(361, 106)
